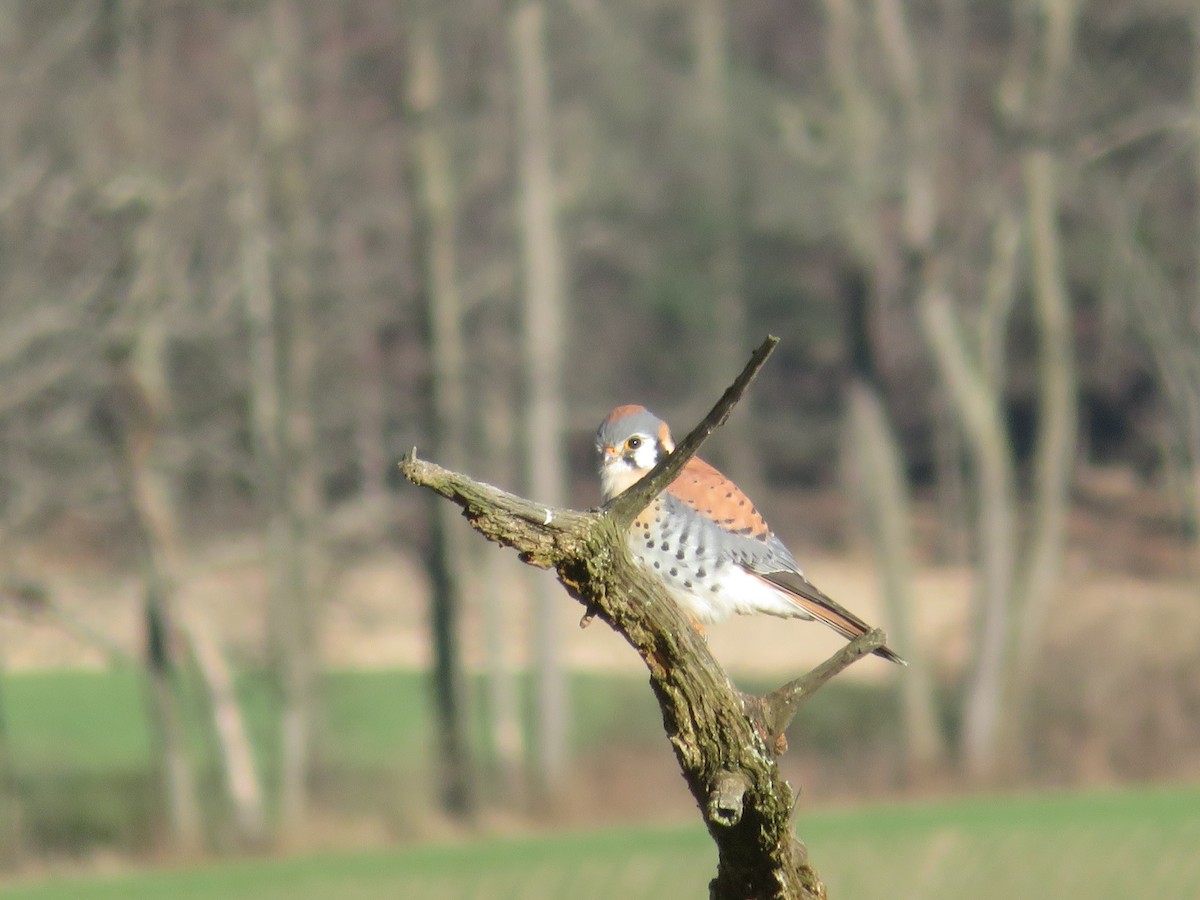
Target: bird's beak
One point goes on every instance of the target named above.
(608, 454)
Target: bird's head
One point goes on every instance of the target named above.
(629, 442)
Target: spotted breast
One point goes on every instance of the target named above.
(684, 536)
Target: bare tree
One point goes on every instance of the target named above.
(879, 480)
(447, 556)
(543, 344)
(882, 490)
(129, 417)
(727, 329)
(495, 404)
(1058, 404)
(129, 420)
(966, 344)
(280, 307)
(242, 781)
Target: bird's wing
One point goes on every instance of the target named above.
(715, 497)
(732, 519)
(822, 607)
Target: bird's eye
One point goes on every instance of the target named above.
(633, 443)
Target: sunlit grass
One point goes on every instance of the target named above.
(1098, 845)
(87, 733)
(95, 722)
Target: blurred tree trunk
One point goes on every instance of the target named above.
(543, 345)
(132, 413)
(279, 241)
(1191, 376)
(881, 484)
(726, 333)
(129, 420)
(448, 555)
(880, 479)
(979, 411)
(257, 298)
(506, 735)
(1038, 89)
(1011, 601)
(129, 417)
(242, 783)
(1058, 413)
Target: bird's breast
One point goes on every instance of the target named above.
(702, 566)
(681, 553)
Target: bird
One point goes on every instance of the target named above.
(703, 538)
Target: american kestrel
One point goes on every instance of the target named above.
(703, 538)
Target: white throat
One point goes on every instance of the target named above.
(618, 475)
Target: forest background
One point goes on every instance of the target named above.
(253, 252)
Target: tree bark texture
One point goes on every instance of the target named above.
(726, 742)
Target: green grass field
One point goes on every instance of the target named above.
(95, 722)
(1128, 845)
(82, 746)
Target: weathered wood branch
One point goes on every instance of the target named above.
(781, 705)
(726, 742)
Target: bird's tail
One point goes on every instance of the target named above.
(825, 609)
